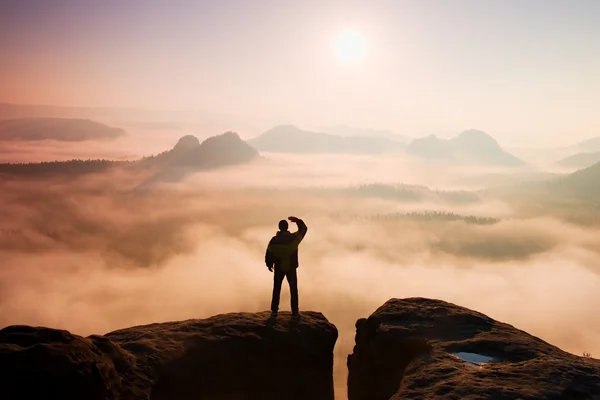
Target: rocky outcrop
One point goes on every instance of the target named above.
(43, 363)
(216, 151)
(420, 348)
(189, 156)
(240, 356)
(186, 143)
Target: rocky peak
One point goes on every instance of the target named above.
(476, 139)
(186, 143)
(223, 140)
(430, 349)
(228, 356)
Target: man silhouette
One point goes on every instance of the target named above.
(282, 254)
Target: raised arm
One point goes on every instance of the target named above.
(302, 229)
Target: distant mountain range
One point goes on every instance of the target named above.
(470, 147)
(214, 152)
(62, 129)
(580, 160)
(187, 156)
(346, 131)
(291, 139)
(584, 183)
(589, 145)
(579, 155)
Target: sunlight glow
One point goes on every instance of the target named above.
(350, 47)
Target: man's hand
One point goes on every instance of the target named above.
(270, 268)
(293, 219)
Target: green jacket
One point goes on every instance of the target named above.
(282, 251)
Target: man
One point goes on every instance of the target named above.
(282, 253)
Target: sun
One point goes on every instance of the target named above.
(350, 47)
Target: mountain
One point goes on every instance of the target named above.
(345, 131)
(418, 348)
(187, 156)
(62, 129)
(583, 184)
(580, 160)
(291, 139)
(214, 152)
(430, 147)
(470, 147)
(589, 145)
(227, 356)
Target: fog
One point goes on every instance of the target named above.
(93, 254)
(137, 143)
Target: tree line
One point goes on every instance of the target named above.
(420, 216)
(75, 166)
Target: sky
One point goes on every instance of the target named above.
(523, 70)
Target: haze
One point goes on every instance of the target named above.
(91, 255)
(115, 211)
(525, 71)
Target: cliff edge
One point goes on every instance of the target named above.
(229, 356)
(419, 348)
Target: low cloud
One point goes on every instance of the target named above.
(93, 255)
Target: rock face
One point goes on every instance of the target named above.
(408, 349)
(240, 356)
(43, 363)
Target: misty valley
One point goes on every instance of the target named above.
(292, 200)
(430, 231)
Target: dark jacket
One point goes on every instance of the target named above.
(282, 251)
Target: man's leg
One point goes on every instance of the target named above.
(292, 279)
(277, 281)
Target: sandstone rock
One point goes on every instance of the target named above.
(186, 143)
(43, 363)
(217, 151)
(235, 356)
(407, 349)
(190, 156)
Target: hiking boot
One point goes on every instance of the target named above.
(296, 315)
(273, 314)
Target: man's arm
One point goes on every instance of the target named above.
(302, 229)
(269, 259)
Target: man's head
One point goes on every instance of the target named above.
(283, 225)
